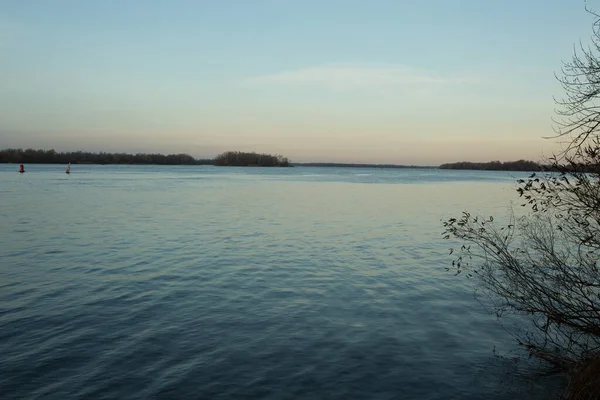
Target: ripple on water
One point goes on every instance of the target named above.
(232, 285)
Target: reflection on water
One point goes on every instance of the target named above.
(203, 282)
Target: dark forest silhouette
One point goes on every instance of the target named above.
(521, 165)
(239, 159)
(31, 156)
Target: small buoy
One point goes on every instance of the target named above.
(21, 168)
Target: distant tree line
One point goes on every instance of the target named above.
(32, 156)
(241, 159)
(521, 165)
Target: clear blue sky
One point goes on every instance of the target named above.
(410, 82)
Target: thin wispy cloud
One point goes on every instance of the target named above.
(354, 77)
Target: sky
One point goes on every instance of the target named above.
(378, 81)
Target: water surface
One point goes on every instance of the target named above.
(205, 282)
